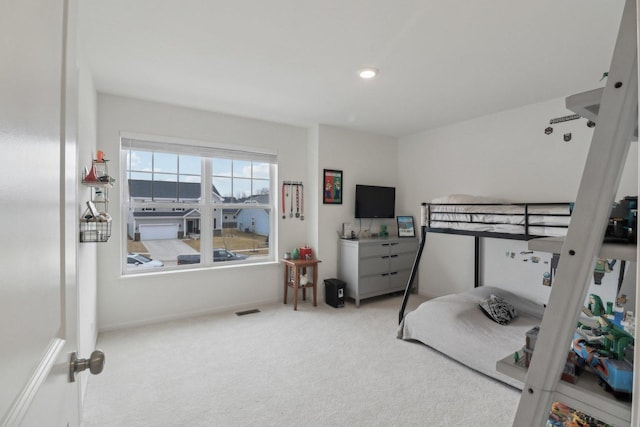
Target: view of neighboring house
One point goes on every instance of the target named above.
(229, 218)
(254, 220)
(167, 223)
(248, 220)
(152, 223)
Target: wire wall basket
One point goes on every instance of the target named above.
(95, 231)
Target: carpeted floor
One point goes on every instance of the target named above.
(319, 366)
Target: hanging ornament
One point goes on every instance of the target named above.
(291, 199)
(302, 202)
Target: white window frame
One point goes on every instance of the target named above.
(207, 151)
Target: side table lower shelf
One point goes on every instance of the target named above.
(293, 268)
(585, 395)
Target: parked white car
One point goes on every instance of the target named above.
(135, 260)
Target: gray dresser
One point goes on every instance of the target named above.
(372, 267)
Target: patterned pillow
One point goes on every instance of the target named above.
(498, 309)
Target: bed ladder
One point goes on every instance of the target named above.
(617, 119)
(416, 262)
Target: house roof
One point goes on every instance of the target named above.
(146, 189)
(258, 198)
(157, 214)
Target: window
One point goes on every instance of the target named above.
(189, 206)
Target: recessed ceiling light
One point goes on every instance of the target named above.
(368, 73)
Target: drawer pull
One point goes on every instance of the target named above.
(393, 274)
(393, 256)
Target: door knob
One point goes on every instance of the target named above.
(95, 363)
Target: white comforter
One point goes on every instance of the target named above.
(497, 218)
(456, 326)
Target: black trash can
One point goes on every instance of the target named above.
(334, 292)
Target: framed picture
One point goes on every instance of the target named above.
(405, 226)
(332, 187)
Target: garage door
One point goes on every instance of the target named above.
(158, 231)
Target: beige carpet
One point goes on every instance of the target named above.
(319, 366)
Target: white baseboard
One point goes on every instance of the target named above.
(187, 315)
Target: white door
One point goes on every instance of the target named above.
(158, 231)
(39, 219)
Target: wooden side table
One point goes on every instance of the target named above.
(292, 270)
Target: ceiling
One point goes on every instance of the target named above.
(296, 61)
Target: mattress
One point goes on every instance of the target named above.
(474, 213)
(456, 326)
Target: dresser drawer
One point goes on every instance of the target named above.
(369, 266)
(377, 249)
(401, 261)
(399, 279)
(373, 284)
(410, 246)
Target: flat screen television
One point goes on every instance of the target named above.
(375, 202)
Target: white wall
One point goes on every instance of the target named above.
(504, 155)
(131, 300)
(363, 158)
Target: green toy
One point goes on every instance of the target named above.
(607, 348)
(595, 305)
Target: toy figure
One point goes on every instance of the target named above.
(595, 306)
(304, 279)
(605, 348)
(555, 259)
(562, 415)
(602, 266)
(618, 314)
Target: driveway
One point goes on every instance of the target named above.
(168, 250)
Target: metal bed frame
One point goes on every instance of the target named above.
(426, 214)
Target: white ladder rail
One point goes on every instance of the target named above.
(635, 401)
(617, 119)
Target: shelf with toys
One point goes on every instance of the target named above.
(589, 391)
(598, 373)
(585, 394)
(95, 223)
(621, 251)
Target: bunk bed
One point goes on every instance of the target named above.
(471, 336)
(487, 217)
(481, 217)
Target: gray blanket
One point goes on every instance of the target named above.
(456, 326)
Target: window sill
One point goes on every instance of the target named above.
(186, 270)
